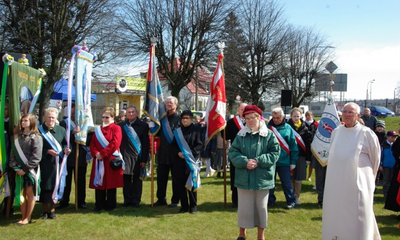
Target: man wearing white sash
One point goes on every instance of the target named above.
(166, 153)
(233, 126)
(135, 152)
(80, 186)
(287, 158)
(54, 147)
(350, 180)
(25, 159)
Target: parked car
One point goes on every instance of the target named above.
(380, 111)
(202, 114)
(267, 115)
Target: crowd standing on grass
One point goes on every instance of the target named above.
(259, 151)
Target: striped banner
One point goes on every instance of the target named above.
(216, 105)
(155, 107)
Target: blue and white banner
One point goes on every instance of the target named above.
(193, 180)
(83, 104)
(322, 139)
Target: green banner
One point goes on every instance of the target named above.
(2, 136)
(23, 83)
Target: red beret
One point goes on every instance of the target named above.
(252, 109)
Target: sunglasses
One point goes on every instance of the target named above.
(106, 117)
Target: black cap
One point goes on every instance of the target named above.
(187, 112)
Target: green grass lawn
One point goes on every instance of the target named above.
(213, 220)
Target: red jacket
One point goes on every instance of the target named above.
(112, 178)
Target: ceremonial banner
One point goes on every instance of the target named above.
(216, 106)
(322, 139)
(23, 82)
(3, 155)
(83, 104)
(155, 106)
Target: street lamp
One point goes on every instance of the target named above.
(394, 101)
(369, 83)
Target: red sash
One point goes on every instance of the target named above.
(300, 141)
(281, 140)
(238, 122)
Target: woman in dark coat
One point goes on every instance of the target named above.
(304, 145)
(391, 203)
(106, 190)
(48, 164)
(180, 169)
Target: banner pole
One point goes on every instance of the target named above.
(224, 163)
(152, 170)
(76, 176)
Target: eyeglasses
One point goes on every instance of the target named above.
(249, 118)
(349, 112)
(106, 117)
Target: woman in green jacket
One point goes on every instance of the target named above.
(254, 153)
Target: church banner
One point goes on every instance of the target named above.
(322, 139)
(83, 89)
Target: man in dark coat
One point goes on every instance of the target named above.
(166, 153)
(133, 129)
(233, 126)
(80, 186)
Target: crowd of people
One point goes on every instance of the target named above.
(257, 150)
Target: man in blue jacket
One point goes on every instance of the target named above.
(287, 158)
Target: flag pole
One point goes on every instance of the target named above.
(152, 170)
(221, 46)
(76, 176)
(153, 41)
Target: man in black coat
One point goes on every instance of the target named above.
(82, 165)
(232, 128)
(166, 153)
(135, 138)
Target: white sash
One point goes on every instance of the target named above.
(56, 146)
(35, 175)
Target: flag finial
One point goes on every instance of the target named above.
(221, 46)
(153, 40)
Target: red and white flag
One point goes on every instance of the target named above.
(216, 106)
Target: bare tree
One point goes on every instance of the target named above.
(48, 30)
(186, 33)
(264, 30)
(306, 55)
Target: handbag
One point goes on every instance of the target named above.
(116, 163)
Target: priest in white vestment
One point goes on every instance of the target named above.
(350, 181)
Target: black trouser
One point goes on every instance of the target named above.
(320, 174)
(81, 186)
(183, 194)
(106, 199)
(232, 171)
(162, 181)
(132, 190)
